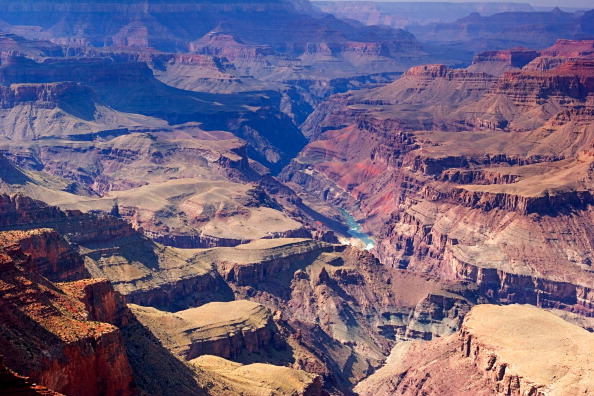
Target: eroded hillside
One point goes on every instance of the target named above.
(177, 185)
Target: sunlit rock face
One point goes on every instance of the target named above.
(484, 358)
(468, 175)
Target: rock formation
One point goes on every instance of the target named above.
(468, 176)
(138, 163)
(51, 336)
(257, 378)
(234, 30)
(340, 296)
(146, 273)
(513, 350)
(13, 384)
(313, 287)
(50, 255)
(129, 88)
(224, 329)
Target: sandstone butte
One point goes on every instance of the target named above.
(500, 350)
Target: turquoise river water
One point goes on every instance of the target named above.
(355, 230)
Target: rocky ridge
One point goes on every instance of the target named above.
(484, 358)
(480, 32)
(482, 181)
(202, 27)
(224, 329)
(93, 330)
(311, 286)
(50, 335)
(405, 14)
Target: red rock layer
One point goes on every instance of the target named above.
(51, 256)
(49, 336)
(12, 384)
(493, 201)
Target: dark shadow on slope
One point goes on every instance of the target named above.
(156, 371)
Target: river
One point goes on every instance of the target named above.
(355, 230)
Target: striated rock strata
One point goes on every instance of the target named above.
(336, 303)
(224, 329)
(49, 335)
(467, 176)
(513, 350)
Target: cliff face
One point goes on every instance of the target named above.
(498, 62)
(50, 336)
(79, 337)
(51, 256)
(334, 295)
(450, 188)
(148, 273)
(14, 384)
(483, 358)
(313, 287)
(44, 95)
(274, 262)
(22, 212)
(227, 330)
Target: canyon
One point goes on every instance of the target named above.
(485, 358)
(229, 197)
(477, 195)
(269, 302)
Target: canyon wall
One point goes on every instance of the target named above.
(500, 198)
(484, 359)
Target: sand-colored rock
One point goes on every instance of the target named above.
(225, 329)
(257, 379)
(553, 356)
(152, 274)
(256, 261)
(143, 271)
(323, 296)
(339, 300)
(193, 213)
(510, 350)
